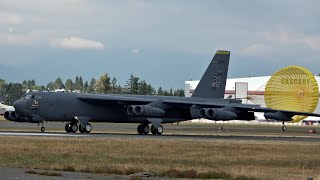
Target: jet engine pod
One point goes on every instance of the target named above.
(278, 116)
(14, 115)
(130, 111)
(145, 111)
(217, 114)
(7, 115)
(11, 116)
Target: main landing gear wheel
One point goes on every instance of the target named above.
(43, 129)
(66, 127)
(143, 129)
(156, 131)
(71, 127)
(86, 129)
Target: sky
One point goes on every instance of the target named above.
(163, 42)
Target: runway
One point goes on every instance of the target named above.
(164, 137)
(189, 131)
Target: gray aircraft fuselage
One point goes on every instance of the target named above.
(64, 106)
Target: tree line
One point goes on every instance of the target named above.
(105, 85)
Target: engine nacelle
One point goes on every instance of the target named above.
(7, 115)
(11, 116)
(145, 111)
(14, 116)
(217, 114)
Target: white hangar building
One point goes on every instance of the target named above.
(250, 90)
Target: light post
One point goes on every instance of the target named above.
(9, 99)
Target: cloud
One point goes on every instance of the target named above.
(281, 42)
(10, 18)
(136, 51)
(312, 42)
(74, 42)
(17, 39)
(256, 49)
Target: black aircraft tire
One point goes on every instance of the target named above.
(159, 130)
(145, 129)
(73, 127)
(284, 128)
(88, 128)
(140, 129)
(66, 127)
(43, 129)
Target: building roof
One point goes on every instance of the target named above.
(254, 83)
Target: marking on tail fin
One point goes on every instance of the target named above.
(213, 81)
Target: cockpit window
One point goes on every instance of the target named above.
(37, 97)
(29, 96)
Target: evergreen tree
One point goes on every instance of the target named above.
(179, 92)
(3, 87)
(86, 87)
(103, 85)
(24, 86)
(132, 86)
(31, 84)
(76, 83)
(114, 85)
(80, 84)
(40, 88)
(14, 92)
(59, 84)
(91, 88)
(50, 86)
(160, 91)
(118, 90)
(69, 85)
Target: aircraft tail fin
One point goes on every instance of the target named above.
(213, 82)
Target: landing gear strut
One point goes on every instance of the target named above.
(284, 128)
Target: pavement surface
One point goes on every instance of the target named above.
(164, 137)
(198, 132)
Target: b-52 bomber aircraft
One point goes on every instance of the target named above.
(207, 101)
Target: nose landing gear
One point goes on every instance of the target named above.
(43, 129)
